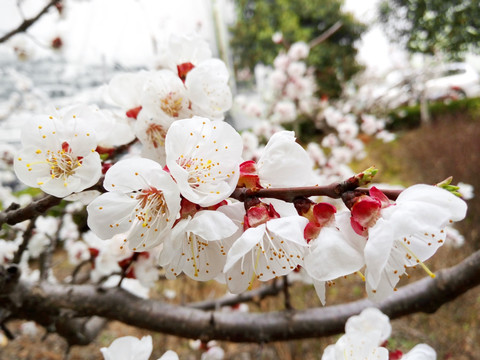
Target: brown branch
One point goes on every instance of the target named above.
(253, 295)
(28, 22)
(333, 191)
(33, 301)
(325, 35)
(27, 235)
(30, 211)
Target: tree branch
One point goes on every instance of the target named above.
(333, 191)
(230, 300)
(325, 35)
(28, 22)
(34, 301)
(30, 211)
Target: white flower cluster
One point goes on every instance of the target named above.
(285, 95)
(365, 337)
(174, 206)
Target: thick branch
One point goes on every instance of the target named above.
(253, 295)
(426, 295)
(30, 211)
(28, 22)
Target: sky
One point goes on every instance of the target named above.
(123, 30)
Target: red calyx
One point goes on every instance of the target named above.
(395, 355)
(57, 43)
(184, 69)
(259, 214)
(248, 176)
(319, 215)
(133, 113)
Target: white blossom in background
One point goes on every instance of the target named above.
(58, 154)
(183, 49)
(142, 201)
(298, 51)
(164, 97)
(466, 190)
(131, 348)
(107, 254)
(8, 250)
(203, 157)
(125, 90)
(420, 352)
(208, 90)
(364, 336)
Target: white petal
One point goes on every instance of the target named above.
(421, 352)
(332, 256)
(243, 245)
(289, 228)
(284, 163)
(377, 250)
(212, 225)
(128, 347)
(110, 209)
(203, 158)
(169, 355)
(370, 320)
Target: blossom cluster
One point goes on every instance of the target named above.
(176, 204)
(366, 337)
(286, 96)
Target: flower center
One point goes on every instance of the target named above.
(156, 135)
(63, 163)
(152, 203)
(171, 104)
(200, 171)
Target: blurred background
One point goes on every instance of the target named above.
(414, 64)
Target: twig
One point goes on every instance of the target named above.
(333, 191)
(325, 35)
(26, 238)
(28, 22)
(286, 294)
(30, 211)
(46, 258)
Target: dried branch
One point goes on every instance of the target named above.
(35, 301)
(28, 22)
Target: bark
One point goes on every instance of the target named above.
(46, 302)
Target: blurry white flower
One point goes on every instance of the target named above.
(298, 51)
(466, 190)
(277, 37)
(128, 348)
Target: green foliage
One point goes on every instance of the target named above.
(408, 117)
(430, 26)
(299, 20)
